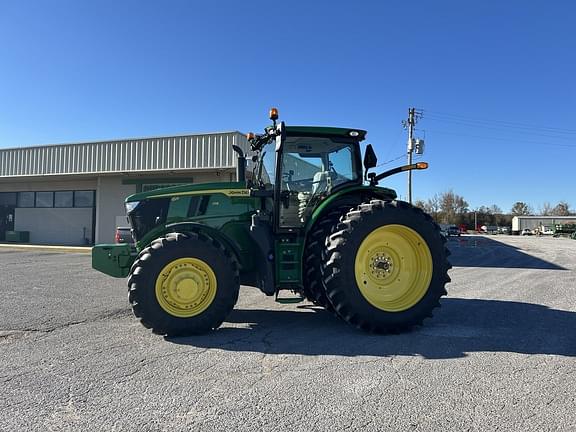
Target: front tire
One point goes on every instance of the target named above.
(183, 284)
(387, 267)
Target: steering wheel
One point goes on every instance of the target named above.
(287, 176)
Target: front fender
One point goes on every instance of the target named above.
(214, 233)
(233, 236)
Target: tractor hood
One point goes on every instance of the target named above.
(227, 188)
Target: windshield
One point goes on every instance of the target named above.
(267, 167)
(317, 165)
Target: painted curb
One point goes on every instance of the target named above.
(69, 249)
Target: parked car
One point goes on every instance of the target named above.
(444, 230)
(453, 230)
(449, 230)
(123, 235)
(526, 231)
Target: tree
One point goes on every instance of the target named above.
(420, 204)
(490, 215)
(520, 208)
(430, 206)
(561, 209)
(433, 205)
(495, 210)
(546, 209)
(453, 207)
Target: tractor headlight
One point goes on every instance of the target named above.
(131, 206)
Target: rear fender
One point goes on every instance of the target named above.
(365, 192)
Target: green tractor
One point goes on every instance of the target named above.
(307, 219)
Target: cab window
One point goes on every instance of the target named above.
(310, 169)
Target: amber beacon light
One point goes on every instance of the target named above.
(273, 113)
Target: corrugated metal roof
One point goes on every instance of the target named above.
(183, 152)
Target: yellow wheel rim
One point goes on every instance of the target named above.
(393, 268)
(186, 287)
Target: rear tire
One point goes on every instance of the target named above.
(387, 267)
(183, 284)
(315, 252)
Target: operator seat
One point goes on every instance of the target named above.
(321, 181)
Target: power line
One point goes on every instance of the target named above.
(396, 143)
(502, 139)
(498, 128)
(502, 122)
(402, 156)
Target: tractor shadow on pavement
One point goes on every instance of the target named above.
(481, 251)
(461, 326)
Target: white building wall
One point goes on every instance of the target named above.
(57, 226)
(110, 196)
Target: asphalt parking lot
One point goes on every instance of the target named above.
(499, 355)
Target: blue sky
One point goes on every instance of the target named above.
(496, 80)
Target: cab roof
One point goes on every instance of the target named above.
(326, 131)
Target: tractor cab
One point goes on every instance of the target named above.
(307, 168)
(300, 166)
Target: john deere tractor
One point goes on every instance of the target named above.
(308, 219)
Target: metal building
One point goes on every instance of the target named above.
(73, 194)
(520, 223)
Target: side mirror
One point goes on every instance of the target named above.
(370, 159)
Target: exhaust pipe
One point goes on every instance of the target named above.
(241, 167)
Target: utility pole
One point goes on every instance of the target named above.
(475, 220)
(409, 124)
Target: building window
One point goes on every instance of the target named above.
(25, 199)
(64, 199)
(59, 199)
(44, 199)
(83, 198)
(8, 198)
